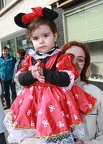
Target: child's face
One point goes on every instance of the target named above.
(43, 38)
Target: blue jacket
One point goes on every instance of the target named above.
(7, 67)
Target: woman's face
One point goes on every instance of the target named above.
(18, 55)
(78, 57)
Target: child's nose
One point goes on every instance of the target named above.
(41, 40)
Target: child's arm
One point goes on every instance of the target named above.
(64, 74)
(57, 78)
(24, 75)
(30, 74)
(26, 78)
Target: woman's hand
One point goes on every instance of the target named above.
(79, 142)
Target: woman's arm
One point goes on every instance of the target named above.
(99, 134)
(56, 78)
(95, 119)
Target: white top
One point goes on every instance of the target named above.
(94, 121)
(2, 115)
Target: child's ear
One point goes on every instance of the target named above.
(55, 36)
(30, 39)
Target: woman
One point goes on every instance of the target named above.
(20, 55)
(94, 122)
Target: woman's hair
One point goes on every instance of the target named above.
(68, 45)
(21, 51)
(39, 21)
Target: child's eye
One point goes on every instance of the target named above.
(35, 38)
(46, 35)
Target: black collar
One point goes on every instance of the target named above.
(49, 52)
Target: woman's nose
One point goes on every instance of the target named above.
(74, 60)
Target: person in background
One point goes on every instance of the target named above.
(2, 93)
(7, 63)
(20, 55)
(94, 121)
(2, 115)
(46, 108)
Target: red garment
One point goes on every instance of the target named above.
(50, 109)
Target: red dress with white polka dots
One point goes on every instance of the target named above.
(51, 110)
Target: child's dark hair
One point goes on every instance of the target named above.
(39, 21)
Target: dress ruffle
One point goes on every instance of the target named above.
(18, 134)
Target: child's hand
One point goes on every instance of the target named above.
(37, 72)
(41, 79)
(37, 75)
(36, 67)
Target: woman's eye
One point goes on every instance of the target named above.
(81, 60)
(72, 57)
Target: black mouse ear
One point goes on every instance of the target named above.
(49, 14)
(18, 20)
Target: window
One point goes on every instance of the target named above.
(96, 66)
(3, 3)
(23, 42)
(85, 24)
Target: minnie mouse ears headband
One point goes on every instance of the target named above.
(23, 20)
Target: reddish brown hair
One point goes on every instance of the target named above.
(21, 51)
(87, 57)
